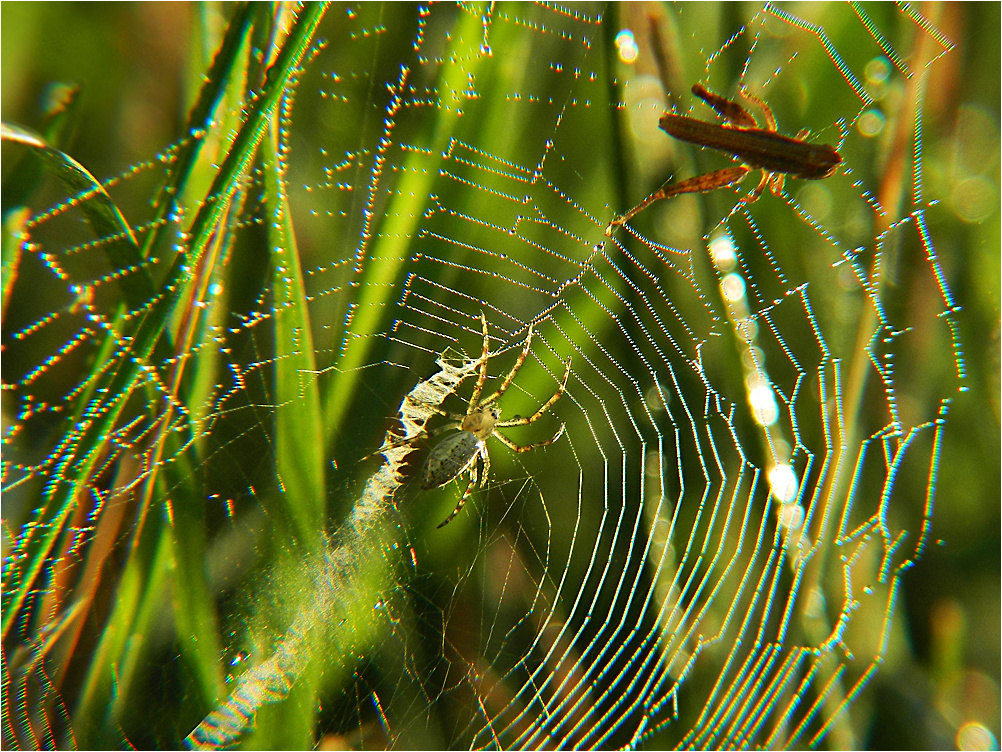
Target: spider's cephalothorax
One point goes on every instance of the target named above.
(458, 453)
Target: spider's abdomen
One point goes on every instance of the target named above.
(450, 458)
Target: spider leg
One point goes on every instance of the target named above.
(770, 120)
(711, 181)
(542, 408)
(727, 109)
(485, 455)
(482, 376)
(511, 374)
(451, 416)
(751, 198)
(398, 441)
(462, 499)
(436, 431)
(519, 449)
(776, 184)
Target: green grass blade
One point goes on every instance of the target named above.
(82, 453)
(298, 428)
(101, 211)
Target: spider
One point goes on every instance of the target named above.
(459, 452)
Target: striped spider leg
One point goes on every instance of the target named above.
(460, 452)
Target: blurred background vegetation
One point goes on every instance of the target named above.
(112, 85)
